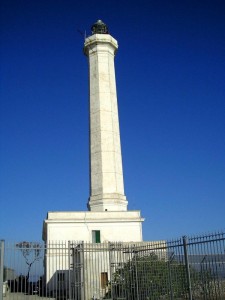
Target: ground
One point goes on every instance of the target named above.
(22, 296)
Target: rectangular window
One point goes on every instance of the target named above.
(104, 280)
(96, 237)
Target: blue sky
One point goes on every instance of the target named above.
(170, 72)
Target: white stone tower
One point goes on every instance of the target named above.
(108, 218)
(106, 173)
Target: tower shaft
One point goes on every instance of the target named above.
(106, 172)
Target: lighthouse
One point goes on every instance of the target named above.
(106, 172)
(107, 218)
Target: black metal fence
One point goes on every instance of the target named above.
(185, 268)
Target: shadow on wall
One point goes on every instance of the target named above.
(65, 284)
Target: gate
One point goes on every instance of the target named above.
(76, 271)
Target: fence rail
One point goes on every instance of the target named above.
(185, 268)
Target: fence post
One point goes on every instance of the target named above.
(111, 269)
(2, 245)
(69, 263)
(170, 276)
(187, 267)
(136, 273)
(83, 287)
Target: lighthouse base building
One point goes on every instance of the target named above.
(93, 227)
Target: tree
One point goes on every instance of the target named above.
(31, 251)
(149, 277)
